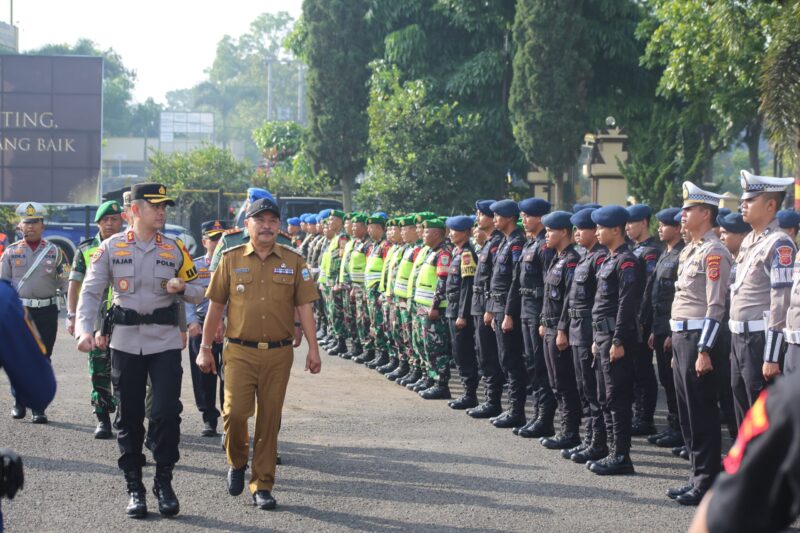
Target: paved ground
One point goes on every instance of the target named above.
(360, 453)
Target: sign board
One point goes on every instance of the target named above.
(50, 128)
(186, 125)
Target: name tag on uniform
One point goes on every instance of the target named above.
(241, 270)
(283, 269)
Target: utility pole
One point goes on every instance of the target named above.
(270, 60)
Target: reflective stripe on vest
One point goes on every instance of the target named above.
(357, 265)
(374, 268)
(389, 270)
(421, 257)
(426, 284)
(403, 274)
(348, 249)
(324, 265)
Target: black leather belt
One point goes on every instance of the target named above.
(536, 292)
(606, 325)
(262, 345)
(549, 322)
(164, 316)
(579, 313)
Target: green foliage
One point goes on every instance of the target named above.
(293, 176)
(278, 140)
(337, 49)
(548, 100)
(118, 82)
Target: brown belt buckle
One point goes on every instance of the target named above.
(263, 346)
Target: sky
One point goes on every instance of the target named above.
(169, 43)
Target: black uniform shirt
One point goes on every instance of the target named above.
(483, 274)
(529, 276)
(502, 300)
(619, 291)
(648, 252)
(581, 295)
(661, 290)
(557, 284)
(459, 282)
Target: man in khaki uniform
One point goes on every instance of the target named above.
(697, 312)
(146, 270)
(261, 283)
(36, 268)
(760, 295)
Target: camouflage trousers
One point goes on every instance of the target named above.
(403, 330)
(437, 352)
(336, 311)
(379, 323)
(417, 337)
(100, 372)
(362, 317)
(349, 308)
(320, 308)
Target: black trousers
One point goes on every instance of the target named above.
(726, 408)
(666, 378)
(462, 342)
(46, 321)
(791, 361)
(509, 349)
(489, 360)
(645, 385)
(205, 385)
(561, 372)
(165, 372)
(747, 378)
(593, 387)
(618, 380)
(536, 366)
(697, 408)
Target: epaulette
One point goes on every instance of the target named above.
(228, 250)
(86, 241)
(290, 248)
(231, 231)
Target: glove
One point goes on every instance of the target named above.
(11, 476)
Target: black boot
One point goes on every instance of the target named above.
(566, 438)
(18, 411)
(393, 364)
(355, 352)
(162, 489)
(642, 426)
(103, 429)
(380, 360)
(38, 417)
(137, 501)
(510, 419)
(530, 422)
(340, 348)
(614, 464)
(440, 391)
(595, 452)
(366, 357)
(423, 383)
(542, 427)
(485, 410)
(399, 371)
(467, 401)
(412, 377)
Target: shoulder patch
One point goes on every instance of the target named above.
(784, 255)
(232, 248)
(713, 266)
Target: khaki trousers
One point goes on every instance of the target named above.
(255, 375)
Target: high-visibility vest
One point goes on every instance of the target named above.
(401, 282)
(333, 248)
(87, 260)
(421, 256)
(374, 268)
(357, 265)
(426, 281)
(390, 269)
(324, 265)
(343, 268)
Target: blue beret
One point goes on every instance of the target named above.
(255, 193)
(667, 216)
(582, 219)
(678, 216)
(557, 220)
(325, 213)
(788, 218)
(639, 212)
(535, 207)
(610, 216)
(311, 219)
(505, 208)
(294, 221)
(485, 207)
(576, 207)
(380, 214)
(460, 223)
(723, 211)
(592, 206)
(734, 223)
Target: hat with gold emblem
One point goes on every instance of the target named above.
(211, 228)
(31, 212)
(155, 193)
(753, 185)
(694, 195)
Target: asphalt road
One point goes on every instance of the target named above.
(359, 452)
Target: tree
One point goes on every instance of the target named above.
(286, 168)
(338, 50)
(118, 82)
(548, 99)
(145, 118)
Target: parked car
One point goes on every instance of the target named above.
(66, 227)
(294, 206)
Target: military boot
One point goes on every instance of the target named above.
(366, 357)
(530, 422)
(340, 348)
(412, 377)
(439, 391)
(542, 426)
(137, 501)
(614, 464)
(392, 365)
(380, 360)
(355, 352)
(485, 410)
(568, 437)
(103, 429)
(672, 436)
(468, 400)
(399, 371)
(162, 488)
(18, 411)
(514, 417)
(642, 426)
(595, 451)
(566, 453)
(423, 383)
(38, 417)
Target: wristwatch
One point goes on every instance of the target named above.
(616, 342)
(206, 346)
(70, 315)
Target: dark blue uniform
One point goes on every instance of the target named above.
(458, 289)
(645, 383)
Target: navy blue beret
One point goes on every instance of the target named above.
(459, 223)
(576, 207)
(678, 216)
(639, 212)
(485, 207)
(535, 207)
(610, 216)
(723, 211)
(583, 219)
(557, 220)
(667, 216)
(505, 208)
(592, 206)
(734, 223)
(788, 218)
